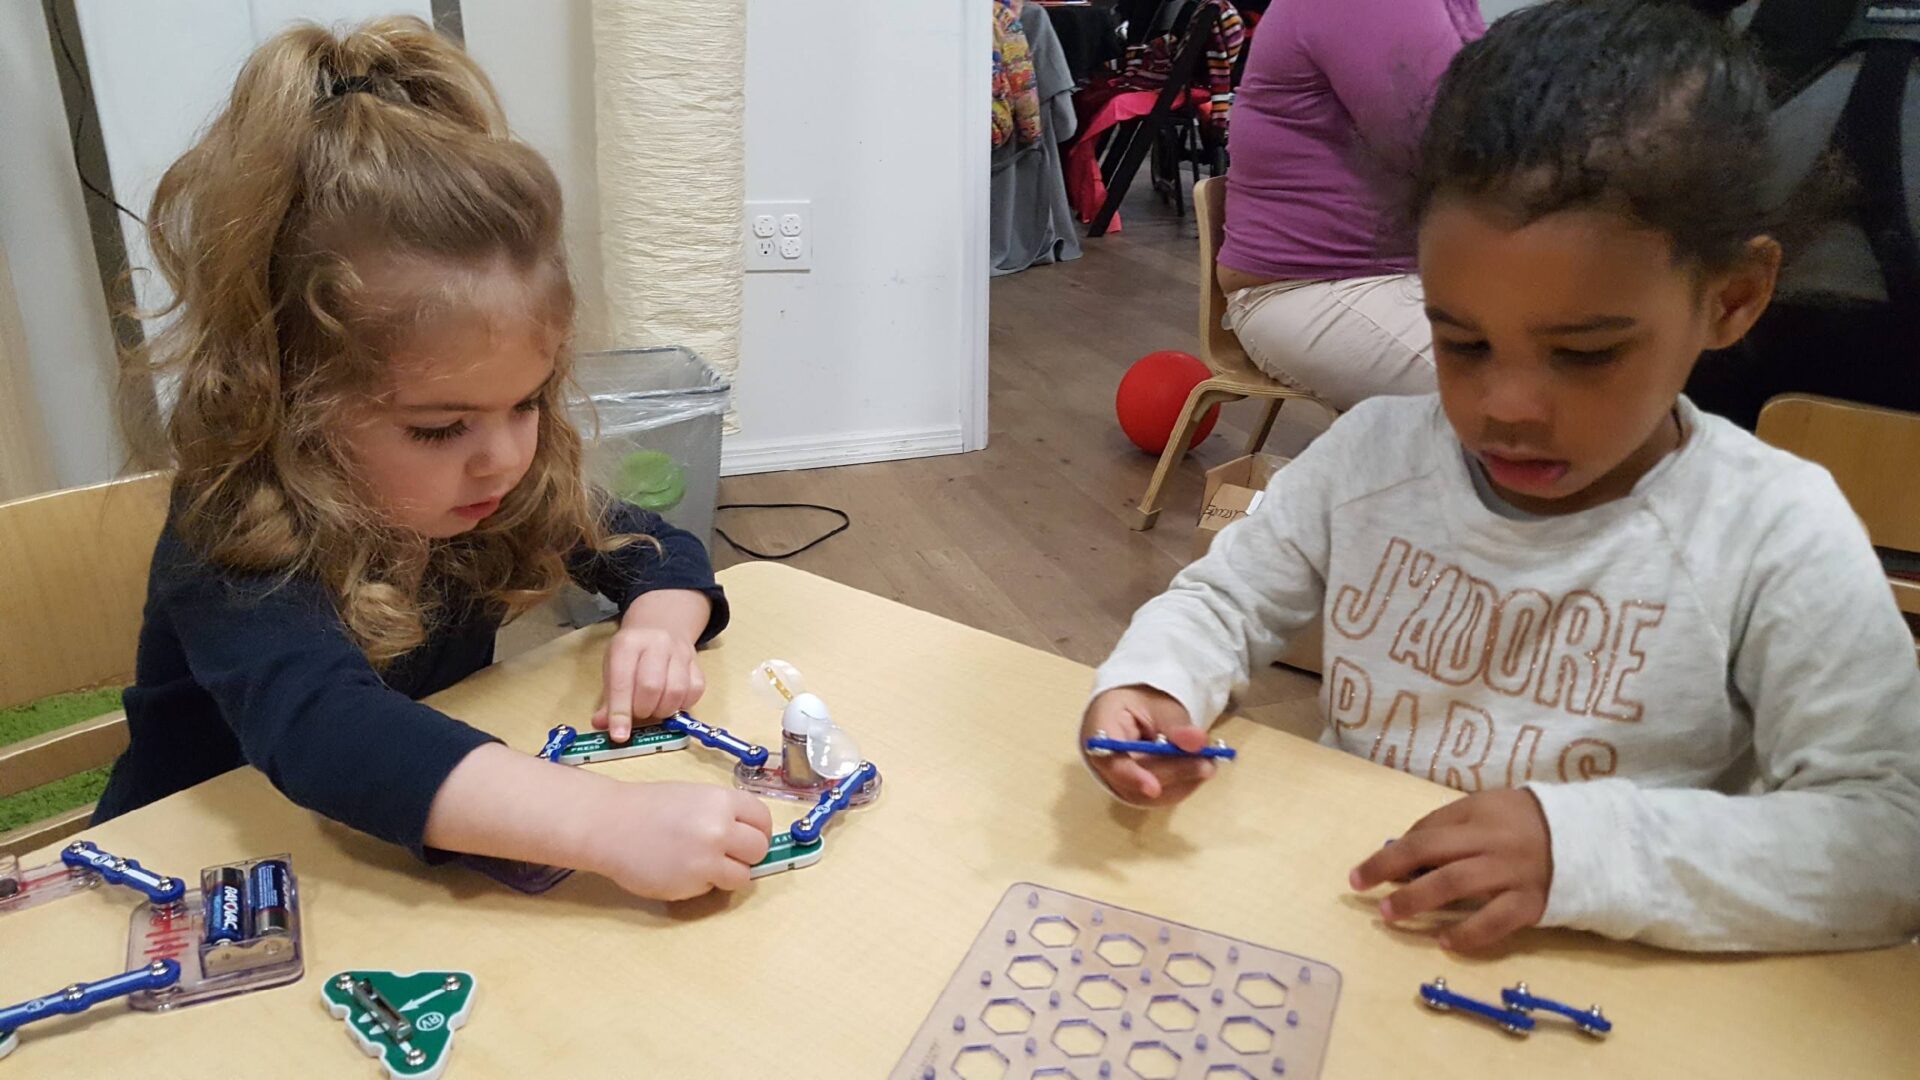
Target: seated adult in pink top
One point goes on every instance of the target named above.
(1318, 263)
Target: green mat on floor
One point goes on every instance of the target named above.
(39, 717)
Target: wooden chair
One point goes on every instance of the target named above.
(74, 577)
(1234, 374)
(1872, 453)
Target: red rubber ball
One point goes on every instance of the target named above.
(1152, 393)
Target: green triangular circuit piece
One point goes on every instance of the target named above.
(407, 1021)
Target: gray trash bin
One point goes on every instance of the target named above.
(651, 419)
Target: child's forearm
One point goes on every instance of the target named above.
(681, 612)
(503, 803)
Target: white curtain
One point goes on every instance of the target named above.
(669, 112)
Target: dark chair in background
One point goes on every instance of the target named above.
(1175, 121)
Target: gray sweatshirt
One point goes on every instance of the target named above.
(1706, 684)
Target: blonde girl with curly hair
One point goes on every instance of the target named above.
(367, 348)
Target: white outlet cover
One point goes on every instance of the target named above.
(777, 236)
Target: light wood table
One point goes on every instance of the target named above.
(829, 971)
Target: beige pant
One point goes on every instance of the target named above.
(1345, 341)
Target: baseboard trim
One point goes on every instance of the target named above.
(742, 456)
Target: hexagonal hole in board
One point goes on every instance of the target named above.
(1032, 972)
(1261, 991)
(1247, 1035)
(1171, 1012)
(1153, 1061)
(1079, 1038)
(1006, 1016)
(980, 1063)
(1189, 969)
(1054, 931)
(1101, 992)
(1120, 950)
(1228, 1072)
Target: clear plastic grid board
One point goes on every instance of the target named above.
(1061, 987)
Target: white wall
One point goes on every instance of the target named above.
(540, 58)
(194, 48)
(162, 70)
(1493, 9)
(43, 227)
(878, 116)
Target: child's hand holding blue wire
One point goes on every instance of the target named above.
(1141, 712)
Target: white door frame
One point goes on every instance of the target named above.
(976, 127)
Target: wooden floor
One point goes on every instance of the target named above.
(1029, 538)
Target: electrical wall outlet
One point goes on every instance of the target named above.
(779, 236)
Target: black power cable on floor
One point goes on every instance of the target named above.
(846, 522)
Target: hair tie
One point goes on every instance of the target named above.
(352, 84)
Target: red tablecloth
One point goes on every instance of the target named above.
(1099, 109)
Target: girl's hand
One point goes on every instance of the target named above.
(1141, 712)
(1492, 846)
(678, 841)
(651, 673)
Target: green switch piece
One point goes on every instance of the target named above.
(593, 746)
(786, 853)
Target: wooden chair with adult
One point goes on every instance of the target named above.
(1234, 375)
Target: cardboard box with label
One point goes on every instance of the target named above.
(1233, 491)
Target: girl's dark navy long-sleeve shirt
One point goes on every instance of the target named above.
(236, 670)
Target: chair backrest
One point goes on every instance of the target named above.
(1147, 19)
(1172, 17)
(73, 572)
(1186, 65)
(1873, 454)
(1240, 61)
(1190, 57)
(74, 575)
(1219, 347)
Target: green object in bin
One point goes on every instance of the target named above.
(651, 480)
